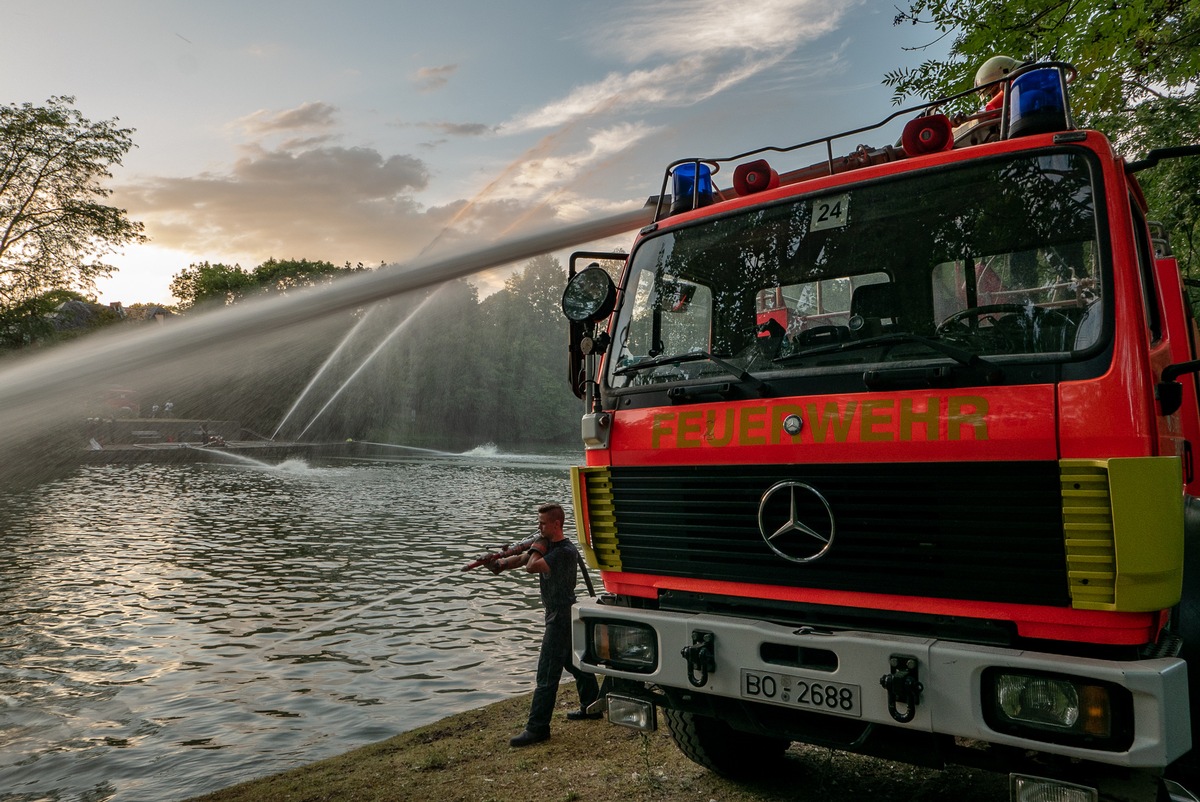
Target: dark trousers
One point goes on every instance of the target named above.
(554, 658)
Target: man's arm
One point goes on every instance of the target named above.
(536, 551)
(536, 564)
(508, 563)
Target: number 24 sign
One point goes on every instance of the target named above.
(830, 212)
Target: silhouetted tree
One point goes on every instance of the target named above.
(218, 283)
(55, 229)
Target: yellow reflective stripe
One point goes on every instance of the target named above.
(598, 534)
(1088, 534)
(1123, 532)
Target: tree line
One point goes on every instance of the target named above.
(440, 368)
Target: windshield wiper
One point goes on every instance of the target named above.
(693, 356)
(991, 371)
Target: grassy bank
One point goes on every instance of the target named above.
(466, 758)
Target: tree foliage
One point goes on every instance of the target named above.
(440, 368)
(1126, 52)
(32, 319)
(55, 229)
(1138, 68)
(207, 283)
(1172, 188)
(467, 371)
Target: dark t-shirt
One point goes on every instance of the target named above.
(558, 586)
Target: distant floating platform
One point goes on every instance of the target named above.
(260, 450)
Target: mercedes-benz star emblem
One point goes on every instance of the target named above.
(796, 521)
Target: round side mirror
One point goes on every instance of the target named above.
(590, 295)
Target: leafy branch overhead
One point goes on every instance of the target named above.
(1126, 52)
(1138, 69)
(55, 227)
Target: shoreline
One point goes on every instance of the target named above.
(465, 757)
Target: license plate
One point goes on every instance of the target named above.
(806, 693)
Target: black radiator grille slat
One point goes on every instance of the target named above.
(975, 531)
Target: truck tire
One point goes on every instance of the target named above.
(715, 745)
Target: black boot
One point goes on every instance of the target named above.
(527, 738)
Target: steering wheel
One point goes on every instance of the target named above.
(979, 313)
(822, 335)
(1004, 320)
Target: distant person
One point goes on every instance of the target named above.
(554, 559)
(991, 70)
(985, 126)
(168, 408)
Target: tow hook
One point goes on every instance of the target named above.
(701, 658)
(903, 688)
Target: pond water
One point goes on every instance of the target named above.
(168, 630)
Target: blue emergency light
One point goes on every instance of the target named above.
(1037, 102)
(691, 187)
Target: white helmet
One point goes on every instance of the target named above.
(994, 69)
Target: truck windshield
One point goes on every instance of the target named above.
(998, 259)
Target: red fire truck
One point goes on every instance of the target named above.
(894, 454)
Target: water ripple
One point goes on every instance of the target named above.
(169, 630)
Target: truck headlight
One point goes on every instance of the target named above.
(1025, 788)
(1058, 708)
(624, 646)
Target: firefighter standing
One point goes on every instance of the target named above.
(553, 558)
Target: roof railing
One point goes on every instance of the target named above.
(1035, 101)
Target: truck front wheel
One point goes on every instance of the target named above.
(717, 746)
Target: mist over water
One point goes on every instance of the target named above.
(38, 394)
(365, 363)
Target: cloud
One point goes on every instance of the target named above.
(429, 79)
(333, 203)
(673, 30)
(306, 143)
(691, 53)
(305, 117)
(533, 177)
(296, 193)
(460, 129)
(324, 203)
(679, 83)
(704, 47)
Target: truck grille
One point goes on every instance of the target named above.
(986, 531)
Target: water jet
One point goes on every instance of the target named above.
(39, 394)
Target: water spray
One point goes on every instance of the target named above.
(321, 370)
(399, 327)
(235, 457)
(409, 448)
(37, 394)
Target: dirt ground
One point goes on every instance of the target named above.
(466, 758)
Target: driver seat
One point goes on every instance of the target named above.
(876, 307)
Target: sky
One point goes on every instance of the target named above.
(376, 132)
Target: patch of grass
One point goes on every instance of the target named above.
(651, 775)
(434, 761)
(466, 758)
